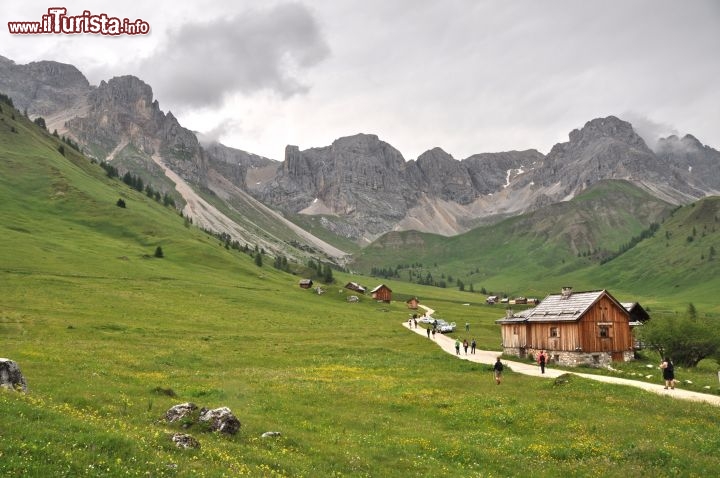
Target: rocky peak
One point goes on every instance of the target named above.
(43, 88)
(611, 127)
(689, 157)
(686, 144)
(445, 176)
(57, 74)
(125, 92)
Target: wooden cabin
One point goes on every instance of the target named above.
(412, 303)
(356, 287)
(382, 293)
(573, 328)
(305, 283)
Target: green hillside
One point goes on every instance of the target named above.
(679, 264)
(529, 254)
(109, 337)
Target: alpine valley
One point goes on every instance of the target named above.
(504, 217)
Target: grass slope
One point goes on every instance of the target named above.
(529, 254)
(678, 265)
(109, 338)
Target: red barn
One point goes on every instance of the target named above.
(382, 293)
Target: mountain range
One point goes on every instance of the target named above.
(358, 188)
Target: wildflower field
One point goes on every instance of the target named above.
(109, 337)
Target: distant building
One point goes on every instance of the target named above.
(381, 293)
(356, 287)
(412, 303)
(590, 328)
(305, 283)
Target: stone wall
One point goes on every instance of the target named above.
(571, 359)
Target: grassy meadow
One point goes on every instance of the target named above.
(109, 337)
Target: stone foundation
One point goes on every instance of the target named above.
(571, 359)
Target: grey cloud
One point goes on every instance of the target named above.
(215, 134)
(202, 63)
(650, 131)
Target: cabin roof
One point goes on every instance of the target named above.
(354, 285)
(380, 287)
(559, 308)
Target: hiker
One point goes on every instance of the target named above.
(542, 359)
(467, 327)
(465, 345)
(498, 368)
(415, 322)
(472, 346)
(457, 346)
(668, 371)
(433, 332)
(428, 331)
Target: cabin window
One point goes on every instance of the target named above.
(554, 332)
(515, 329)
(604, 331)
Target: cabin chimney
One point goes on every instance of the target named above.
(566, 292)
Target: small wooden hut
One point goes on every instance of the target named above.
(381, 293)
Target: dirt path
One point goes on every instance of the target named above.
(489, 357)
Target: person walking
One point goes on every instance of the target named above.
(498, 369)
(433, 332)
(428, 331)
(467, 327)
(668, 371)
(542, 359)
(457, 346)
(472, 346)
(465, 345)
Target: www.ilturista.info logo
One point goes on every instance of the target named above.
(58, 22)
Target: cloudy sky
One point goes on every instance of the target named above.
(469, 76)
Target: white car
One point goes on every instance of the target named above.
(446, 328)
(425, 319)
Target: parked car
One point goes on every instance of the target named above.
(445, 328)
(426, 319)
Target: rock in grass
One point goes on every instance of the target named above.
(271, 434)
(185, 441)
(180, 411)
(220, 419)
(11, 377)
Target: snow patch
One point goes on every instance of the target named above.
(509, 172)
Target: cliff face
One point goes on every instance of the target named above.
(121, 111)
(43, 88)
(361, 185)
(370, 189)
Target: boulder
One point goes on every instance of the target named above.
(220, 419)
(10, 376)
(180, 411)
(185, 441)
